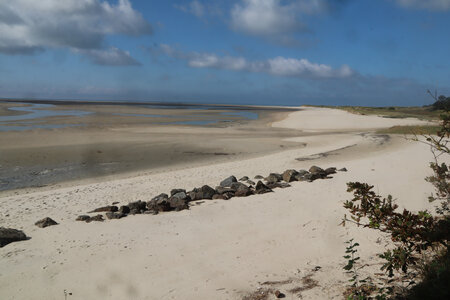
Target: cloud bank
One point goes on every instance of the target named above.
(29, 26)
(278, 66)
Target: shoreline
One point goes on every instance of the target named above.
(218, 249)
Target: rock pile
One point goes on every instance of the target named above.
(228, 188)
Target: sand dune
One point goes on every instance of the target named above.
(218, 249)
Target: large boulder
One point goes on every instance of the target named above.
(179, 201)
(317, 173)
(176, 191)
(274, 177)
(228, 181)
(205, 192)
(240, 189)
(222, 190)
(261, 188)
(45, 222)
(289, 175)
(109, 208)
(137, 207)
(9, 235)
(159, 203)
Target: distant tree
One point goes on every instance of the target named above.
(441, 102)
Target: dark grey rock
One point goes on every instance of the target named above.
(137, 207)
(261, 188)
(82, 218)
(124, 209)
(109, 208)
(45, 222)
(221, 190)
(176, 191)
(250, 182)
(258, 177)
(97, 218)
(343, 170)
(205, 192)
(228, 181)
(302, 172)
(274, 177)
(115, 215)
(159, 203)
(241, 190)
(330, 171)
(278, 185)
(289, 175)
(245, 178)
(9, 235)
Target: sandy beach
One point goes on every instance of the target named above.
(217, 249)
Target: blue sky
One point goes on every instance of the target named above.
(273, 52)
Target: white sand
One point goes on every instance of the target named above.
(219, 249)
(317, 119)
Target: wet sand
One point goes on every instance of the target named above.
(123, 140)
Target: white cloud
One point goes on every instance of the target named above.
(277, 20)
(111, 57)
(29, 25)
(278, 66)
(264, 18)
(425, 4)
(194, 7)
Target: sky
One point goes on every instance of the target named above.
(265, 52)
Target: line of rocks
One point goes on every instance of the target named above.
(179, 199)
(228, 188)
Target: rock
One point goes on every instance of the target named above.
(82, 218)
(302, 176)
(278, 185)
(45, 222)
(250, 182)
(98, 218)
(9, 235)
(228, 181)
(115, 215)
(137, 207)
(159, 203)
(178, 204)
(330, 170)
(245, 178)
(274, 177)
(302, 172)
(205, 192)
(317, 173)
(176, 191)
(124, 209)
(279, 294)
(241, 190)
(289, 175)
(343, 170)
(109, 208)
(261, 188)
(221, 190)
(316, 169)
(179, 201)
(218, 197)
(258, 177)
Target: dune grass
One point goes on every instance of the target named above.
(417, 130)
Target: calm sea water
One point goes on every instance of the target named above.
(33, 114)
